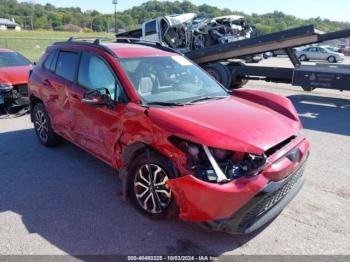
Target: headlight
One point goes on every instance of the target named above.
(5, 87)
(218, 165)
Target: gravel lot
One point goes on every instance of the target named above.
(64, 201)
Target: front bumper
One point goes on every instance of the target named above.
(245, 204)
(263, 208)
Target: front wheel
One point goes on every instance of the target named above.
(43, 128)
(331, 59)
(303, 58)
(148, 188)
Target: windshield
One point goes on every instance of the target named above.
(170, 79)
(8, 59)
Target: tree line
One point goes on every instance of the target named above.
(37, 16)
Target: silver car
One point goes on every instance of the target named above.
(319, 53)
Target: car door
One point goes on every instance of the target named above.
(96, 128)
(323, 53)
(312, 54)
(61, 68)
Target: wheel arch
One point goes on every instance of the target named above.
(130, 153)
(33, 100)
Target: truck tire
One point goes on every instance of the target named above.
(220, 72)
(237, 81)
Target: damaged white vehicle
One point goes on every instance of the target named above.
(187, 32)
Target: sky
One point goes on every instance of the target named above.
(338, 10)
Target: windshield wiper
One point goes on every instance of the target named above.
(205, 98)
(160, 103)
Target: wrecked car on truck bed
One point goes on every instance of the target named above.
(184, 146)
(189, 31)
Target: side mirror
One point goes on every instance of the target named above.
(98, 97)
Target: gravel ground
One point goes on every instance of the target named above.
(64, 201)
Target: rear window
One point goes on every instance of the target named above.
(67, 64)
(9, 59)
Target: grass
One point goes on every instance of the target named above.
(32, 44)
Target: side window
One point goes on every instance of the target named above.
(48, 61)
(151, 28)
(94, 73)
(67, 63)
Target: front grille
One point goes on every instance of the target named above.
(264, 204)
(279, 146)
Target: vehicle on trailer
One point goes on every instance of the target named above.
(14, 71)
(184, 146)
(320, 53)
(223, 61)
(187, 32)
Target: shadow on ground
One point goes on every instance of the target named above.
(325, 114)
(69, 198)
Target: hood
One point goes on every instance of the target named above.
(14, 75)
(232, 123)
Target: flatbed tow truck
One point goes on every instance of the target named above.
(219, 60)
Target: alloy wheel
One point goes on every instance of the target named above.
(41, 126)
(151, 189)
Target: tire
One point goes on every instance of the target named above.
(303, 58)
(220, 73)
(331, 59)
(237, 81)
(43, 128)
(153, 199)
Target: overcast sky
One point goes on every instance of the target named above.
(338, 10)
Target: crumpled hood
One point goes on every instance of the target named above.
(14, 75)
(232, 123)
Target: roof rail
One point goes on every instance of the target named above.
(89, 41)
(95, 40)
(154, 44)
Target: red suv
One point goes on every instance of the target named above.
(183, 145)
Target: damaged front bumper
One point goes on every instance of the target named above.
(14, 99)
(246, 204)
(263, 208)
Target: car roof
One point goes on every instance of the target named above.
(124, 50)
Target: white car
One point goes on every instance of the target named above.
(320, 53)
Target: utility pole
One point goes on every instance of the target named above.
(115, 2)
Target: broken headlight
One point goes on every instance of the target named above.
(4, 88)
(218, 165)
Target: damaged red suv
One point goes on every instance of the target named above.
(183, 145)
